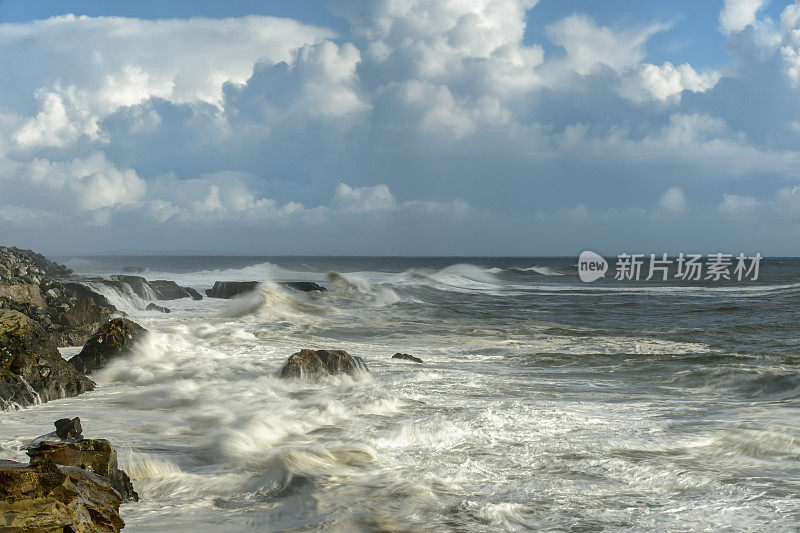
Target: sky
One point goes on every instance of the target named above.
(400, 127)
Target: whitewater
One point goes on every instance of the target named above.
(542, 404)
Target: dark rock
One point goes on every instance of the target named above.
(304, 286)
(31, 368)
(169, 290)
(31, 284)
(43, 497)
(93, 455)
(82, 320)
(407, 357)
(133, 269)
(69, 429)
(317, 363)
(160, 309)
(193, 293)
(112, 340)
(229, 289)
(81, 291)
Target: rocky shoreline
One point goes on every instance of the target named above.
(72, 483)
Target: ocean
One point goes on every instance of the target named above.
(543, 403)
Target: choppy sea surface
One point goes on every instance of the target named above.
(544, 403)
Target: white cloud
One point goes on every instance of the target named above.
(92, 182)
(667, 82)
(589, 46)
(95, 65)
(738, 14)
(735, 205)
(673, 200)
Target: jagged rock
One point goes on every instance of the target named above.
(229, 289)
(304, 286)
(133, 269)
(318, 363)
(407, 357)
(193, 293)
(82, 320)
(31, 368)
(28, 285)
(93, 455)
(160, 309)
(43, 497)
(112, 340)
(69, 429)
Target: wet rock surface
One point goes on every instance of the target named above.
(31, 284)
(114, 339)
(229, 289)
(43, 497)
(318, 363)
(31, 368)
(159, 308)
(304, 286)
(407, 357)
(71, 484)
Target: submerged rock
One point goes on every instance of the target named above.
(304, 286)
(229, 289)
(160, 309)
(112, 340)
(318, 363)
(43, 497)
(31, 368)
(407, 357)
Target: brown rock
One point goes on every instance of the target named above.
(45, 498)
(23, 293)
(94, 455)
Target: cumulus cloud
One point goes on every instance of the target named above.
(673, 200)
(738, 14)
(256, 123)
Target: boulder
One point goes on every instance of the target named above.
(304, 286)
(193, 293)
(169, 290)
(31, 368)
(160, 309)
(318, 363)
(229, 289)
(406, 357)
(23, 293)
(43, 497)
(113, 339)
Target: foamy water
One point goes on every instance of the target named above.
(542, 403)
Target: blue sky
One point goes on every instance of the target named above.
(471, 127)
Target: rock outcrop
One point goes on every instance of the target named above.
(114, 339)
(229, 289)
(304, 286)
(159, 308)
(71, 484)
(30, 284)
(31, 368)
(43, 497)
(318, 363)
(406, 357)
